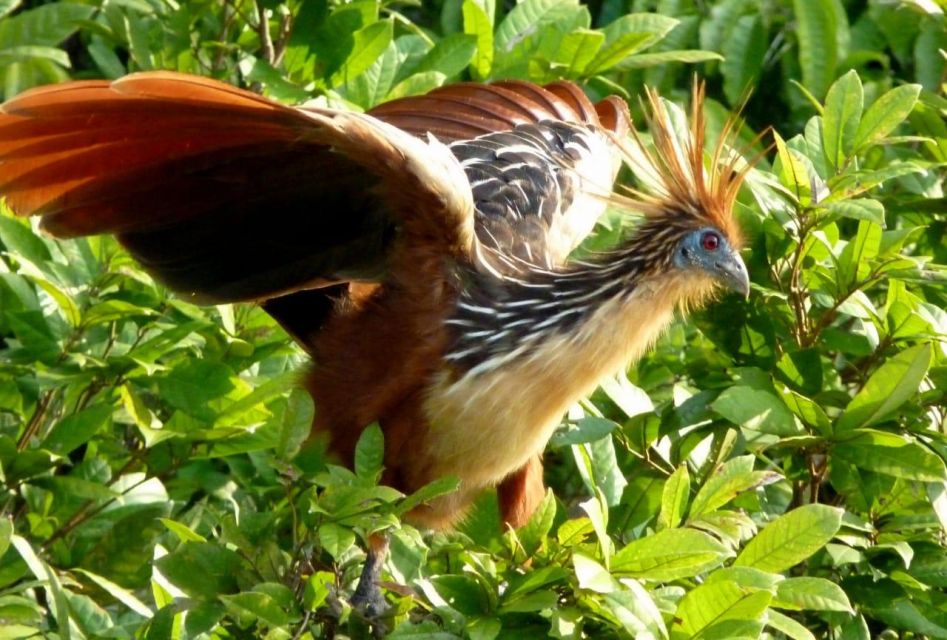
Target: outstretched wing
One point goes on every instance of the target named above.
(221, 193)
(227, 196)
(539, 159)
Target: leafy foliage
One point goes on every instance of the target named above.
(775, 468)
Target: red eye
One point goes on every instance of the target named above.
(710, 241)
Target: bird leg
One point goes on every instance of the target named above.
(368, 598)
(520, 493)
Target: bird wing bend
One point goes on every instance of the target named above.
(227, 196)
(538, 159)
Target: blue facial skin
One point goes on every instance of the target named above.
(697, 251)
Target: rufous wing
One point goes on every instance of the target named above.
(219, 192)
(226, 195)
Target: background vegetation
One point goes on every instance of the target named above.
(774, 469)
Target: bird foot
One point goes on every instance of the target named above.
(368, 599)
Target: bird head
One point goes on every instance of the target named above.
(687, 194)
(706, 251)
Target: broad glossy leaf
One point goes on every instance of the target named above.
(523, 19)
(635, 610)
(891, 454)
(843, 109)
(251, 605)
(860, 209)
(713, 604)
(577, 49)
(812, 594)
(479, 25)
(757, 410)
(202, 570)
(370, 454)
(76, 429)
(686, 56)
(43, 573)
(791, 538)
(588, 429)
(591, 575)
(369, 43)
(450, 55)
(674, 497)
(890, 386)
(729, 480)
(744, 51)
(788, 626)
(886, 113)
(670, 554)
(818, 50)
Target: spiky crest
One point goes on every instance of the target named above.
(678, 180)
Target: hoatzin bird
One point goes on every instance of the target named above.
(419, 253)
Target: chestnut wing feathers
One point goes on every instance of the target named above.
(228, 196)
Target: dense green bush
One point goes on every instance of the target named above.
(775, 468)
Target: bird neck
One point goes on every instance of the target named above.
(500, 319)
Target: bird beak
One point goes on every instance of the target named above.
(730, 271)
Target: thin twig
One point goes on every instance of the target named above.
(263, 30)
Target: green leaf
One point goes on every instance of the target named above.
(588, 429)
(577, 49)
(818, 49)
(886, 113)
(674, 497)
(686, 56)
(788, 626)
(627, 35)
(793, 172)
(533, 534)
(630, 398)
(890, 386)
(743, 53)
(418, 84)
(791, 538)
(202, 570)
(636, 611)
(77, 429)
(17, 236)
(46, 25)
(890, 454)
(257, 606)
(670, 554)
(860, 209)
(6, 534)
(336, 540)
(712, 604)
(433, 489)
(450, 55)
(121, 594)
(478, 24)
(727, 482)
(370, 454)
(26, 53)
(462, 593)
(296, 424)
(591, 575)
(182, 531)
(811, 594)
(807, 410)
(598, 465)
(523, 19)
(369, 43)
(757, 410)
(42, 571)
(843, 111)
(854, 264)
